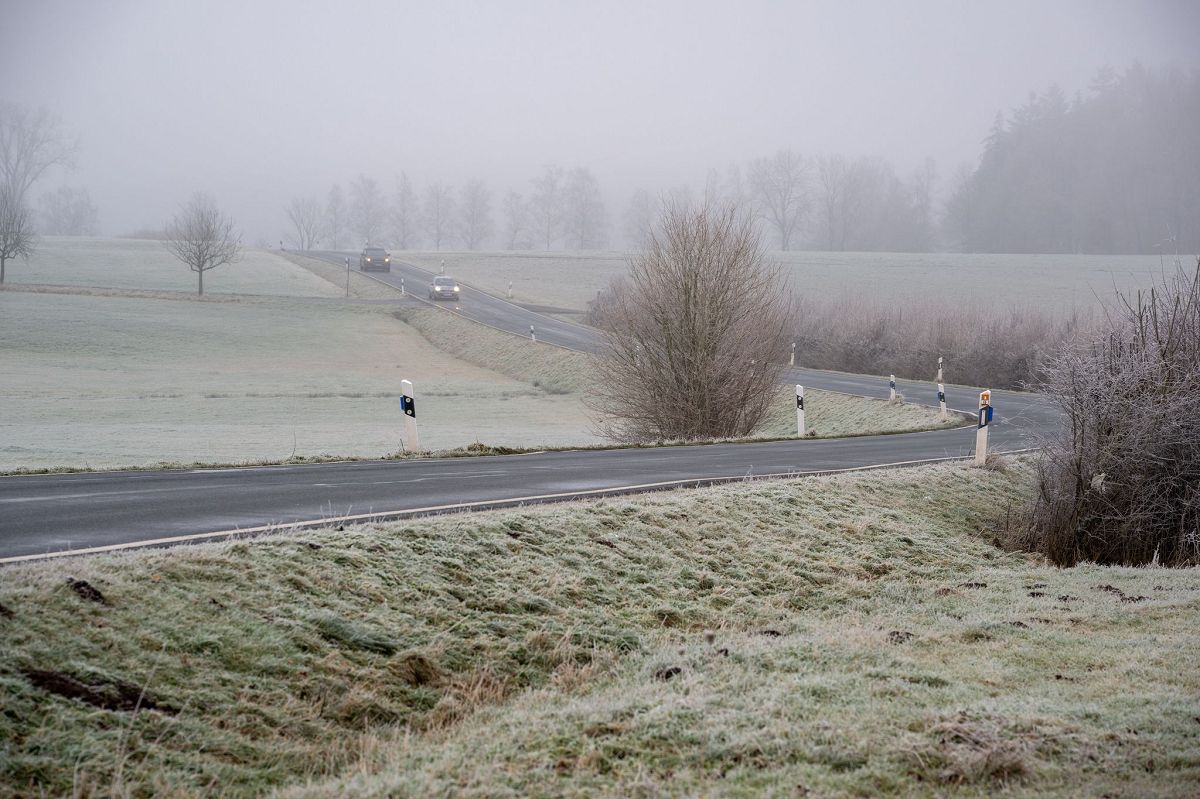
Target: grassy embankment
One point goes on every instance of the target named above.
(867, 639)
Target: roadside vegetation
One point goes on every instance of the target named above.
(983, 345)
(856, 635)
(1120, 482)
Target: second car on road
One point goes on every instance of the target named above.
(444, 288)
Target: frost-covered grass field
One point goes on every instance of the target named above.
(116, 381)
(1051, 283)
(109, 381)
(866, 639)
(146, 265)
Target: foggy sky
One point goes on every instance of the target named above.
(258, 102)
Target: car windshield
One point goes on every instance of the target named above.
(374, 251)
(444, 281)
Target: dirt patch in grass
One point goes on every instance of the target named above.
(108, 694)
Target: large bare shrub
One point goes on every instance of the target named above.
(202, 237)
(696, 335)
(1121, 484)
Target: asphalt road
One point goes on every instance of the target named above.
(479, 305)
(75, 513)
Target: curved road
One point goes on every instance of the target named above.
(50, 515)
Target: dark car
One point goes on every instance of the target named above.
(375, 259)
(444, 288)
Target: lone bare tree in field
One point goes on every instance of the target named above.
(516, 222)
(202, 237)
(439, 213)
(368, 209)
(30, 143)
(405, 214)
(546, 205)
(335, 216)
(305, 215)
(696, 336)
(475, 213)
(583, 210)
(16, 229)
(779, 185)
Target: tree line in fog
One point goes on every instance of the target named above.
(1115, 169)
(561, 209)
(828, 202)
(1112, 170)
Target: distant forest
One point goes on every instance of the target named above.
(1114, 171)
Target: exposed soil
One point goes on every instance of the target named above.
(108, 694)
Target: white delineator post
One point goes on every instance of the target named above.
(942, 400)
(985, 419)
(792, 362)
(939, 377)
(892, 388)
(510, 289)
(402, 287)
(532, 335)
(347, 276)
(409, 407)
(442, 269)
(801, 428)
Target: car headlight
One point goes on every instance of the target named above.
(387, 260)
(456, 288)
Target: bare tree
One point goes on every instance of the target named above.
(305, 215)
(516, 222)
(368, 209)
(545, 206)
(583, 210)
(405, 214)
(439, 213)
(639, 219)
(30, 143)
(68, 211)
(779, 186)
(335, 216)
(695, 339)
(475, 214)
(202, 237)
(16, 229)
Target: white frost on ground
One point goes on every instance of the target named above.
(146, 265)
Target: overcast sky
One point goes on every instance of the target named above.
(259, 101)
